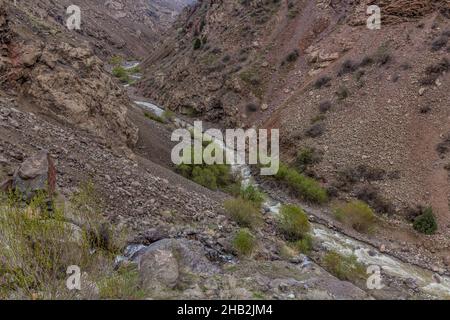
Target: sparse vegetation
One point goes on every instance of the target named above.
(382, 56)
(356, 214)
(39, 245)
(342, 93)
(123, 284)
(439, 43)
(347, 67)
(426, 222)
(316, 130)
(244, 242)
(293, 223)
(372, 197)
(244, 212)
(433, 72)
(306, 157)
(344, 268)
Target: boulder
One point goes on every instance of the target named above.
(35, 174)
(159, 269)
(162, 264)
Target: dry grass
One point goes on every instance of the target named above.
(39, 245)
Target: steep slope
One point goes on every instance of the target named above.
(51, 74)
(373, 104)
(126, 27)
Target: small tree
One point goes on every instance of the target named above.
(426, 223)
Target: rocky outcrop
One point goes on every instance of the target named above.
(69, 83)
(63, 79)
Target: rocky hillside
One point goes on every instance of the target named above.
(372, 104)
(53, 75)
(126, 27)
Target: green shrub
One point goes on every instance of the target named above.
(116, 60)
(426, 223)
(253, 194)
(356, 214)
(121, 73)
(197, 44)
(244, 242)
(243, 212)
(214, 177)
(305, 244)
(306, 188)
(293, 222)
(306, 157)
(344, 268)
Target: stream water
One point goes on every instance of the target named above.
(425, 280)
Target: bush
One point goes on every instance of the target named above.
(306, 188)
(366, 61)
(251, 107)
(426, 223)
(293, 222)
(344, 268)
(433, 72)
(244, 242)
(371, 196)
(120, 73)
(322, 82)
(214, 177)
(197, 44)
(307, 157)
(244, 212)
(304, 245)
(439, 43)
(253, 194)
(292, 57)
(324, 106)
(342, 93)
(356, 214)
(347, 67)
(316, 130)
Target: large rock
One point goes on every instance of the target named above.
(163, 264)
(36, 174)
